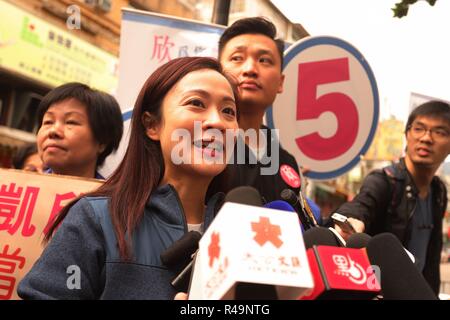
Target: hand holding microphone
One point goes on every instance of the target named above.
(347, 226)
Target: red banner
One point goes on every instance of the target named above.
(28, 201)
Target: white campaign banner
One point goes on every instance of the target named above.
(147, 41)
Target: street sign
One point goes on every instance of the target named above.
(328, 112)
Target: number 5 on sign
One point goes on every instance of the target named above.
(328, 112)
(310, 76)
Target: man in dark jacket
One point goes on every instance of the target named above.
(407, 199)
(250, 52)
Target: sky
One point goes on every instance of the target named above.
(411, 54)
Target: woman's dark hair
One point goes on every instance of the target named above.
(105, 117)
(142, 167)
(253, 25)
(22, 154)
(432, 109)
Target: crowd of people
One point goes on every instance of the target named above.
(117, 233)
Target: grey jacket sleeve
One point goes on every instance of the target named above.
(371, 202)
(75, 250)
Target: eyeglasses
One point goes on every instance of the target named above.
(418, 132)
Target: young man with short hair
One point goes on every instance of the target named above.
(406, 198)
(250, 51)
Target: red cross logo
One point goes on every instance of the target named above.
(214, 248)
(265, 231)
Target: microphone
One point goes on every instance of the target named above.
(341, 274)
(279, 205)
(244, 195)
(400, 279)
(301, 207)
(180, 254)
(249, 291)
(183, 251)
(284, 206)
(251, 252)
(358, 240)
(320, 236)
(182, 281)
(338, 272)
(361, 240)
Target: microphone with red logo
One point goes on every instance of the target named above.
(246, 290)
(339, 273)
(250, 252)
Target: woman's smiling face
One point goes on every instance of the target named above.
(204, 100)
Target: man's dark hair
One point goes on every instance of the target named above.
(432, 109)
(254, 25)
(105, 117)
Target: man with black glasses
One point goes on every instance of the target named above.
(406, 198)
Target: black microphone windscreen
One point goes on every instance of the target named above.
(358, 240)
(400, 279)
(320, 236)
(244, 195)
(289, 196)
(179, 253)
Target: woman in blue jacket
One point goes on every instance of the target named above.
(107, 244)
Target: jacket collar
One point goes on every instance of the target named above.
(165, 203)
(402, 173)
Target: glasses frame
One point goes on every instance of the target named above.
(432, 132)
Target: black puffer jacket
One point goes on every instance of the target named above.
(386, 203)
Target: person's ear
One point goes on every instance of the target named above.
(151, 125)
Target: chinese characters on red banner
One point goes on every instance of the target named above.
(16, 209)
(17, 206)
(8, 264)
